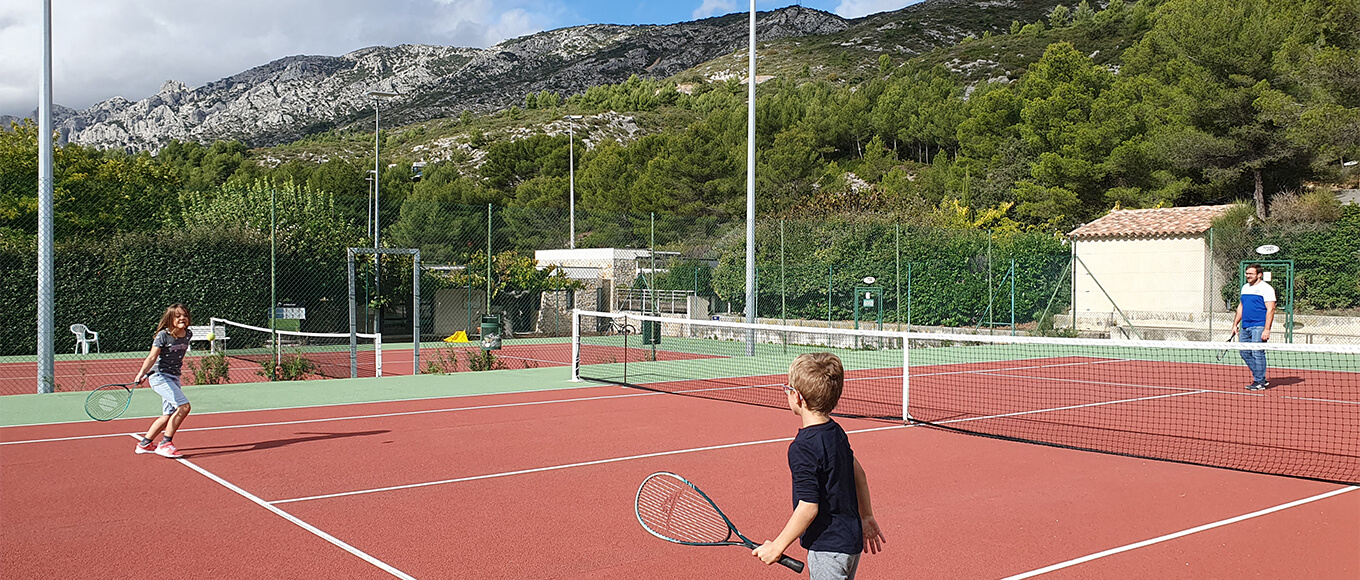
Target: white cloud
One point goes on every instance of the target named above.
(858, 8)
(106, 48)
(714, 8)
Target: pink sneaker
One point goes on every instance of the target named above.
(168, 450)
(148, 448)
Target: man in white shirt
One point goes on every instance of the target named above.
(1255, 313)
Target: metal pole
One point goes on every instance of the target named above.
(47, 378)
(377, 258)
(377, 199)
(571, 169)
(751, 186)
(783, 291)
(897, 260)
(908, 296)
(415, 291)
(829, 269)
(989, 282)
(1073, 323)
(656, 305)
(1012, 275)
(273, 298)
(576, 345)
(1209, 303)
(488, 259)
(353, 323)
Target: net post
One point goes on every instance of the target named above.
(575, 345)
(377, 355)
(353, 331)
(906, 380)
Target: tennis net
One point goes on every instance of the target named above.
(299, 354)
(1175, 401)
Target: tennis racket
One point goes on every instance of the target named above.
(109, 401)
(673, 509)
(1224, 352)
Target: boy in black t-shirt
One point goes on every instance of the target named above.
(831, 511)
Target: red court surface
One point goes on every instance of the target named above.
(540, 485)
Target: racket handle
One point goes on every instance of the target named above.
(791, 564)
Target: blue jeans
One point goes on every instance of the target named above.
(1255, 359)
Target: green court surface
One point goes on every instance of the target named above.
(62, 407)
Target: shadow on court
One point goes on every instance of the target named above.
(262, 445)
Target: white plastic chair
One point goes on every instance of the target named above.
(85, 336)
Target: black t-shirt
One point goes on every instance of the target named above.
(823, 468)
(172, 352)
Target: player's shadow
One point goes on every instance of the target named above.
(1284, 381)
(275, 443)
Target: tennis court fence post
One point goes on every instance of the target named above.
(906, 380)
(415, 297)
(353, 330)
(575, 345)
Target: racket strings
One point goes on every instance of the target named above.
(107, 402)
(675, 510)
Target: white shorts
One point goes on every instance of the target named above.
(167, 386)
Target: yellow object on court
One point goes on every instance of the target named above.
(459, 336)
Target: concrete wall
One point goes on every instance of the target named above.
(1169, 274)
(451, 310)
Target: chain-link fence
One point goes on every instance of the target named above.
(519, 266)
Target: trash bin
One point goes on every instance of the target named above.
(491, 332)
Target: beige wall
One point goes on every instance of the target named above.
(1148, 274)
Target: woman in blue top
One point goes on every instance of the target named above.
(162, 369)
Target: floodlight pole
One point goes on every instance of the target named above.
(571, 169)
(377, 257)
(46, 356)
(751, 186)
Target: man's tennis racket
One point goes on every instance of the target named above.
(675, 510)
(1224, 352)
(109, 401)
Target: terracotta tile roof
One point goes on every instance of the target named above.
(1146, 223)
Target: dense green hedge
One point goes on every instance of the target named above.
(1326, 255)
(943, 274)
(119, 286)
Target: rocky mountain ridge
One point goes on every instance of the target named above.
(296, 96)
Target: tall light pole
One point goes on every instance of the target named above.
(371, 178)
(377, 264)
(571, 169)
(751, 186)
(46, 283)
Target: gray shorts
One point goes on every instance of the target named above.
(167, 386)
(832, 565)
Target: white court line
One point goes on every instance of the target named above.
(565, 466)
(351, 417)
(1067, 408)
(1141, 386)
(1172, 536)
(324, 405)
(295, 520)
(695, 450)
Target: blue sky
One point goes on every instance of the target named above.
(128, 48)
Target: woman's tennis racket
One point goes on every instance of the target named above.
(673, 509)
(109, 401)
